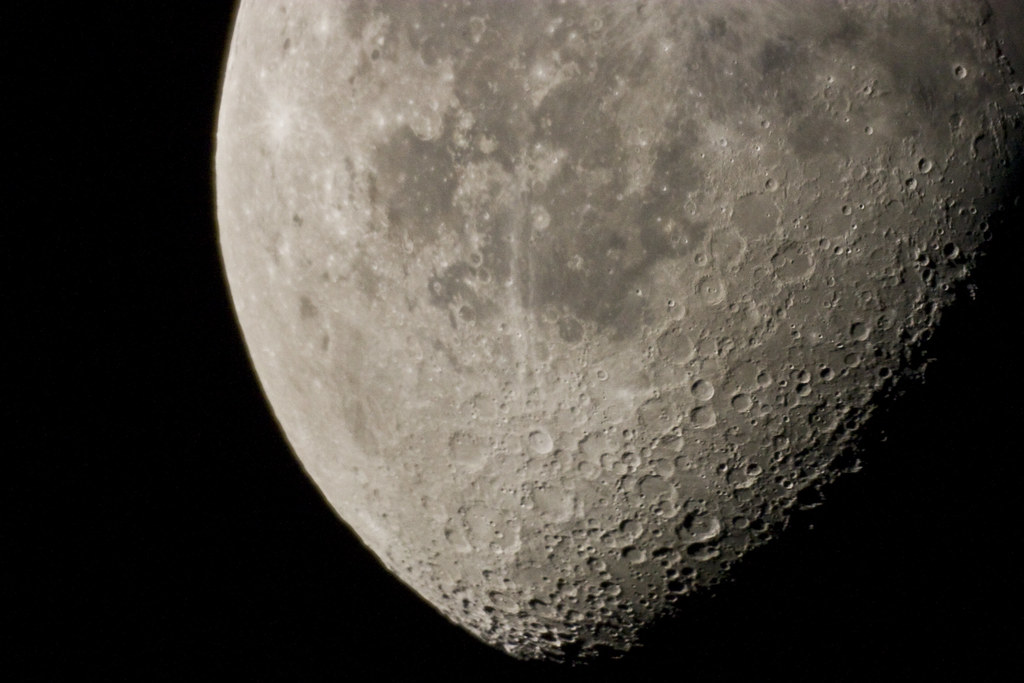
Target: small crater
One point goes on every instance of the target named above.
(675, 345)
(477, 27)
(634, 555)
(711, 290)
(741, 403)
(792, 263)
(541, 442)
(700, 526)
(654, 488)
(540, 219)
(703, 417)
(702, 390)
(727, 247)
(702, 552)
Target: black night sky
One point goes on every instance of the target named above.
(171, 535)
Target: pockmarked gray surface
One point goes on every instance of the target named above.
(563, 305)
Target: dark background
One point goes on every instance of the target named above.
(165, 531)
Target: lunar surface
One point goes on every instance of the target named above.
(566, 306)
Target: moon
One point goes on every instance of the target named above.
(565, 307)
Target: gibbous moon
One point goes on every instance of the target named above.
(564, 305)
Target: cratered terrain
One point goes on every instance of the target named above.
(566, 306)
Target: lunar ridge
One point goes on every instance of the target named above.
(563, 305)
